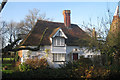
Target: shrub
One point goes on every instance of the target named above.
(34, 64)
(84, 68)
(76, 69)
(23, 67)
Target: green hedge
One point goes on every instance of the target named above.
(81, 69)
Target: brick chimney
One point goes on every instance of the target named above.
(66, 14)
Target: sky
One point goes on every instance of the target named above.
(62, 0)
(80, 11)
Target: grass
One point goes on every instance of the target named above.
(9, 63)
(7, 59)
(7, 71)
(6, 64)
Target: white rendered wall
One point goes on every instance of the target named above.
(67, 50)
(58, 49)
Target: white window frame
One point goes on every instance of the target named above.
(58, 56)
(60, 41)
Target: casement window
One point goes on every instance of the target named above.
(58, 41)
(58, 57)
(89, 56)
(62, 41)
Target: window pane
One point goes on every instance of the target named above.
(54, 41)
(58, 41)
(59, 57)
(62, 41)
(63, 57)
(55, 57)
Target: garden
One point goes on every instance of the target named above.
(84, 68)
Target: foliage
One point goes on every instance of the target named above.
(7, 59)
(23, 67)
(16, 57)
(81, 69)
(84, 68)
(97, 60)
(9, 63)
(33, 64)
(13, 32)
(47, 52)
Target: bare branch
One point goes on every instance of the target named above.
(3, 4)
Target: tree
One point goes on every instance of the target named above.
(30, 20)
(3, 31)
(15, 29)
(110, 47)
(11, 47)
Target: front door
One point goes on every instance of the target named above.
(75, 56)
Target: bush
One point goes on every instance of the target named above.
(76, 69)
(24, 67)
(84, 68)
(32, 64)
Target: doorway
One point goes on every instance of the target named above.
(75, 56)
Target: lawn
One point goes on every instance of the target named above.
(7, 59)
(10, 65)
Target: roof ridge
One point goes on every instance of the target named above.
(55, 22)
(52, 22)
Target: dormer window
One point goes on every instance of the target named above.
(58, 37)
(59, 41)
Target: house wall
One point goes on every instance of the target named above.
(58, 49)
(90, 52)
(20, 52)
(81, 52)
(69, 50)
(69, 57)
(41, 53)
(24, 55)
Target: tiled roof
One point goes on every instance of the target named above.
(74, 33)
